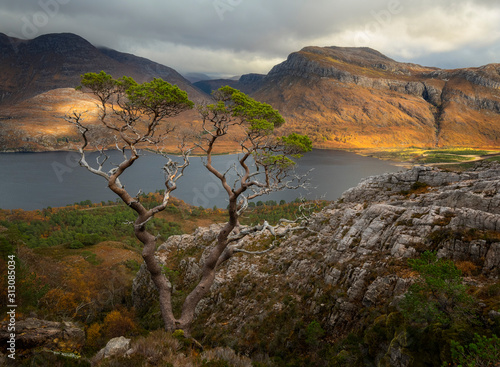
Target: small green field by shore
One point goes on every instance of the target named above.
(433, 156)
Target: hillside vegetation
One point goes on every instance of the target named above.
(403, 270)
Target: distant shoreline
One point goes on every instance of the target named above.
(399, 157)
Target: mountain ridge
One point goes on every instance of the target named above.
(37, 87)
(57, 60)
(348, 100)
(342, 97)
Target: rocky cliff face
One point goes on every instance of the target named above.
(357, 97)
(350, 264)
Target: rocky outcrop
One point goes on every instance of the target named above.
(301, 64)
(353, 257)
(485, 76)
(32, 333)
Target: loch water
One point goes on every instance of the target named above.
(38, 180)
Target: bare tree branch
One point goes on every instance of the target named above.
(138, 110)
(265, 165)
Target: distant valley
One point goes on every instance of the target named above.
(342, 97)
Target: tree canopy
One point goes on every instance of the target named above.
(265, 164)
(272, 153)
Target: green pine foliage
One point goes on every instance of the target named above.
(439, 294)
(85, 224)
(81, 227)
(157, 97)
(482, 351)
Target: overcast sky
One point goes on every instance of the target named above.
(234, 37)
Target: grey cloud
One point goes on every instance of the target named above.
(255, 30)
(461, 58)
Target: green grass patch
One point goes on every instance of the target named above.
(459, 167)
(434, 157)
(400, 155)
(429, 155)
(463, 151)
(91, 257)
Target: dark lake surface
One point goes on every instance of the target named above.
(38, 180)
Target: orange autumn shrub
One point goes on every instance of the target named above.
(60, 302)
(119, 323)
(94, 336)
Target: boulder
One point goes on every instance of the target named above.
(114, 348)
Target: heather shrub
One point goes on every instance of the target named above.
(224, 357)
